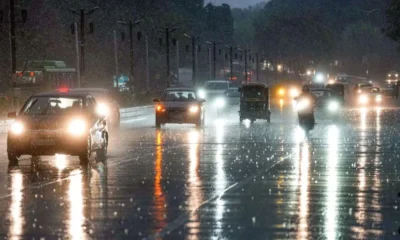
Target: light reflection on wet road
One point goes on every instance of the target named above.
(228, 181)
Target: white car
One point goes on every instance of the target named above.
(214, 88)
(106, 101)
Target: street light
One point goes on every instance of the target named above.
(194, 56)
(82, 15)
(130, 24)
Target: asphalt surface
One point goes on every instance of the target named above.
(228, 181)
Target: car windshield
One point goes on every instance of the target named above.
(253, 92)
(52, 105)
(374, 90)
(232, 93)
(216, 86)
(179, 96)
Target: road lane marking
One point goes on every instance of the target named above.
(183, 218)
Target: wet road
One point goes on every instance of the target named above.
(229, 181)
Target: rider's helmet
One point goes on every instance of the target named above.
(305, 89)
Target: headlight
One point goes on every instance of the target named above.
(359, 90)
(194, 109)
(397, 75)
(303, 104)
(103, 109)
(17, 128)
(333, 106)
(77, 127)
(220, 103)
(202, 94)
(363, 99)
(294, 92)
(378, 98)
(281, 92)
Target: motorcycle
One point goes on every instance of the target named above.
(305, 111)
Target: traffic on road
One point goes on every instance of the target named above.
(199, 120)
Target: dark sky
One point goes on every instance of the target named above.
(235, 3)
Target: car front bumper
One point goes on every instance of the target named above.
(46, 143)
(178, 117)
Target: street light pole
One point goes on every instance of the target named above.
(257, 67)
(116, 60)
(130, 25)
(147, 64)
(82, 13)
(245, 66)
(177, 61)
(78, 64)
(231, 61)
(13, 38)
(194, 50)
(214, 60)
(167, 48)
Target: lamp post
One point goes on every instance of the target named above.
(130, 24)
(194, 56)
(82, 13)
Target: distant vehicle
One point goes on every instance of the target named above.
(214, 88)
(328, 103)
(370, 96)
(285, 92)
(41, 76)
(180, 105)
(105, 100)
(359, 88)
(58, 122)
(392, 77)
(254, 102)
(229, 99)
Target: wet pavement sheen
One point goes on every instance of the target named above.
(228, 181)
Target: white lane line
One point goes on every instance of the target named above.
(182, 219)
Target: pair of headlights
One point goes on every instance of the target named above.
(364, 99)
(76, 127)
(192, 109)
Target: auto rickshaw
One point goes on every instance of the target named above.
(254, 102)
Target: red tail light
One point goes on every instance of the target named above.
(63, 90)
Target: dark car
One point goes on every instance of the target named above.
(106, 101)
(179, 105)
(55, 122)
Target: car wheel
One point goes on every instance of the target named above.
(102, 153)
(13, 156)
(85, 156)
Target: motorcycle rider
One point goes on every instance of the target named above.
(305, 93)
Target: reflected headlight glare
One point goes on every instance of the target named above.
(303, 104)
(363, 99)
(333, 106)
(102, 109)
(220, 103)
(202, 94)
(194, 109)
(17, 128)
(378, 98)
(77, 127)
